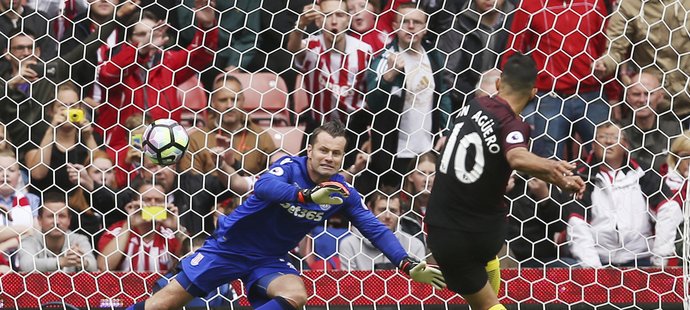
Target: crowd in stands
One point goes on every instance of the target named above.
(80, 80)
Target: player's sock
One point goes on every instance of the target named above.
(137, 306)
(493, 270)
(498, 307)
(278, 303)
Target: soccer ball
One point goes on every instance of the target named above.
(165, 141)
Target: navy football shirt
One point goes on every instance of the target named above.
(472, 172)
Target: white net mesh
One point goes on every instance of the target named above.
(250, 80)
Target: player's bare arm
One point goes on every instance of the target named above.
(559, 173)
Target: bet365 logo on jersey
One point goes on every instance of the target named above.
(300, 212)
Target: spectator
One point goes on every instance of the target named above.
(4, 146)
(14, 14)
(612, 225)
(18, 209)
(535, 222)
(389, 15)
(142, 77)
(101, 171)
(23, 92)
(9, 240)
(60, 14)
(22, 207)
(357, 253)
(416, 193)
(57, 8)
(239, 35)
(97, 192)
(128, 159)
(65, 140)
(138, 244)
(649, 129)
(678, 161)
(364, 14)
(475, 42)
(569, 97)
(243, 144)
(57, 247)
(645, 32)
(17, 109)
(77, 29)
(406, 85)
(334, 65)
(677, 164)
(195, 195)
(68, 139)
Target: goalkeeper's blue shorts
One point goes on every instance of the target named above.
(210, 267)
(463, 255)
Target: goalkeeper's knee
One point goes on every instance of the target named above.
(498, 307)
(493, 270)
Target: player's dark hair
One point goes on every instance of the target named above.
(334, 128)
(519, 73)
(52, 197)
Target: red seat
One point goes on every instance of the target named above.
(265, 97)
(287, 138)
(300, 97)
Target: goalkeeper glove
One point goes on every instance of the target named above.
(420, 272)
(323, 194)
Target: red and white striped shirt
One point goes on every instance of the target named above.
(335, 81)
(154, 256)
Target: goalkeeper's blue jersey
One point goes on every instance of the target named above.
(271, 222)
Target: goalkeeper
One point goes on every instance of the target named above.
(291, 199)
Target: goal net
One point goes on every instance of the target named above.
(90, 221)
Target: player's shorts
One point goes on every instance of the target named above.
(462, 256)
(209, 267)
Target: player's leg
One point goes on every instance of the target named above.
(485, 299)
(172, 296)
(276, 284)
(286, 292)
(199, 274)
(493, 271)
(463, 258)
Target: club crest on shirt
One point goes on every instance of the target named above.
(325, 207)
(515, 137)
(277, 171)
(197, 259)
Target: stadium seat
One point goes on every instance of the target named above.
(300, 96)
(194, 101)
(287, 138)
